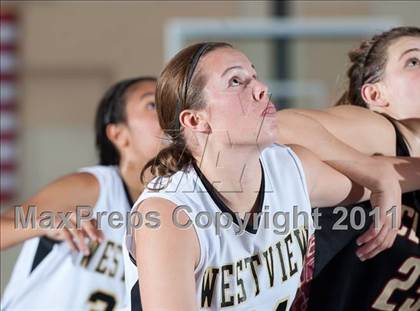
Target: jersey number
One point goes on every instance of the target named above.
(100, 301)
(410, 268)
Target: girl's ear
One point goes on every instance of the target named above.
(195, 120)
(374, 96)
(117, 134)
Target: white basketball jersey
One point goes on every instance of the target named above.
(259, 269)
(68, 281)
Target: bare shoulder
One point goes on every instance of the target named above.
(309, 160)
(367, 131)
(161, 205)
(350, 111)
(170, 215)
(360, 128)
(67, 192)
(86, 184)
(359, 114)
(80, 180)
(167, 256)
(170, 234)
(301, 151)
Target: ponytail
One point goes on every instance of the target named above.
(168, 161)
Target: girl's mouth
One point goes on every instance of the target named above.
(270, 111)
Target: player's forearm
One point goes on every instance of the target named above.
(382, 173)
(406, 170)
(372, 173)
(13, 231)
(311, 134)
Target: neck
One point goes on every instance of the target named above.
(410, 130)
(130, 172)
(232, 169)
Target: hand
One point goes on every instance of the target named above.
(386, 222)
(76, 237)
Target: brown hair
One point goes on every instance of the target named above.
(179, 87)
(367, 63)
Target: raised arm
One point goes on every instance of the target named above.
(166, 258)
(328, 187)
(62, 195)
(361, 129)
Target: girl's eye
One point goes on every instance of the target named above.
(151, 106)
(412, 62)
(234, 82)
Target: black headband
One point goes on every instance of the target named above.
(114, 101)
(116, 96)
(190, 72)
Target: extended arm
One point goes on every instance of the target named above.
(62, 195)
(328, 187)
(321, 131)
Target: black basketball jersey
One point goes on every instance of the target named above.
(389, 281)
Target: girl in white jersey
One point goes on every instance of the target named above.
(48, 275)
(223, 168)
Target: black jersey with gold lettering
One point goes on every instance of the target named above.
(388, 282)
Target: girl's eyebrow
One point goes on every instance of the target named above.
(408, 51)
(231, 68)
(235, 67)
(147, 94)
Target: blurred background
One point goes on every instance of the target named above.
(57, 58)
